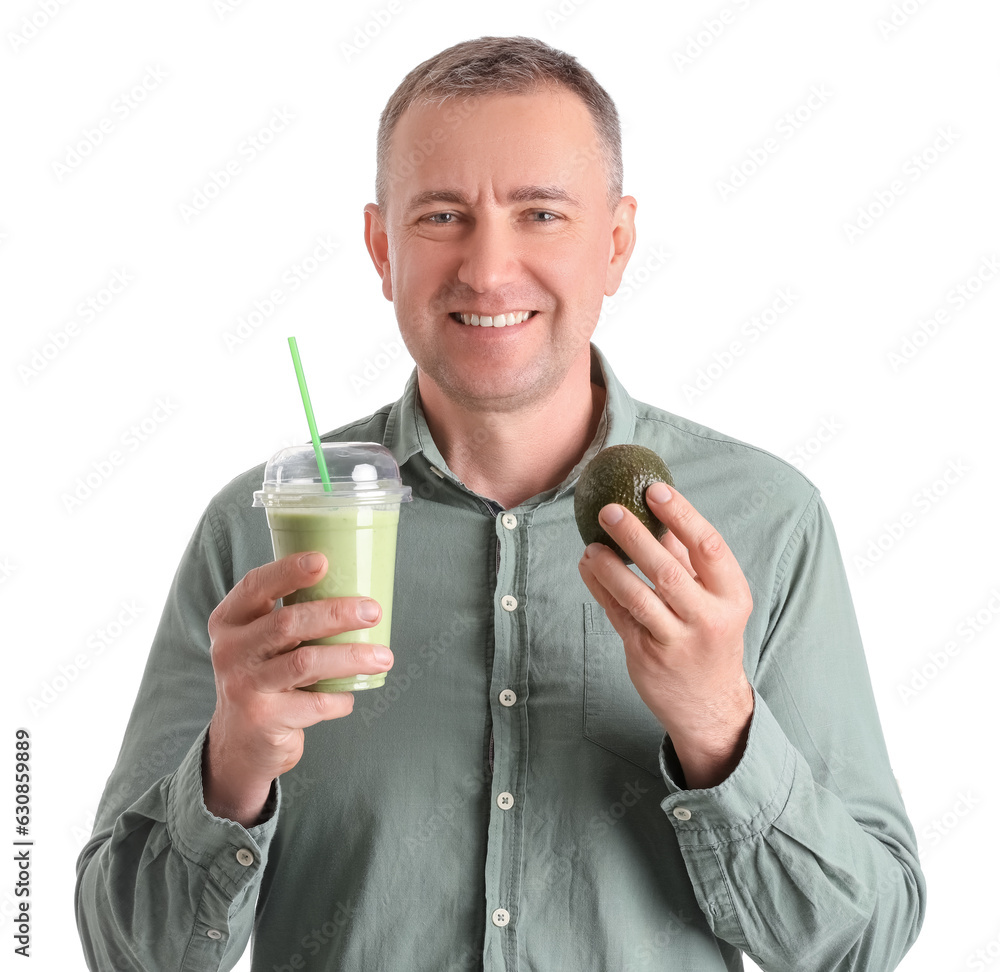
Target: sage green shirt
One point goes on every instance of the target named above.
(506, 801)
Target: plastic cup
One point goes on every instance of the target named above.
(353, 523)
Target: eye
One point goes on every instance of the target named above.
(544, 216)
(441, 219)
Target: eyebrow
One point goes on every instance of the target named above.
(519, 195)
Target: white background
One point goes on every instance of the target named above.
(892, 428)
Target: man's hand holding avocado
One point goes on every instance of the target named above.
(683, 636)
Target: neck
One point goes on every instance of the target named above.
(511, 456)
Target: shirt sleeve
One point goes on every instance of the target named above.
(804, 857)
(163, 883)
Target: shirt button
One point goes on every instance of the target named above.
(244, 856)
(214, 933)
(682, 813)
(501, 918)
(505, 801)
(508, 698)
(509, 520)
(508, 602)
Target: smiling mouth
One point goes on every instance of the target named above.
(497, 320)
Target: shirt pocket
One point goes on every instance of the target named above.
(614, 717)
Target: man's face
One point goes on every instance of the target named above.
(498, 205)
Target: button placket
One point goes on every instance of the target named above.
(509, 723)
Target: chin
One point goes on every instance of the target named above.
(498, 393)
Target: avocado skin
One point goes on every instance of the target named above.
(618, 474)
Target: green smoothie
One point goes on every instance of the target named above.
(360, 547)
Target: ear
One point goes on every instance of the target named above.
(622, 243)
(377, 241)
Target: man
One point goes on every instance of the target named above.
(568, 767)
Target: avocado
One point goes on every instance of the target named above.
(618, 474)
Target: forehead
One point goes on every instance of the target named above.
(545, 136)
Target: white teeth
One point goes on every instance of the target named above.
(500, 320)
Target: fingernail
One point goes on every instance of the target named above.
(591, 550)
(612, 514)
(658, 493)
(311, 562)
(382, 654)
(368, 610)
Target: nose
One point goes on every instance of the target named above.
(488, 255)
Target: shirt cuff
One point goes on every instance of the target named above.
(748, 801)
(233, 855)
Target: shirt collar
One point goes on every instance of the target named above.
(406, 431)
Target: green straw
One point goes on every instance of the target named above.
(310, 418)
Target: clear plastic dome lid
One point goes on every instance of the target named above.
(360, 473)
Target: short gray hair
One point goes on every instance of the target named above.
(501, 65)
